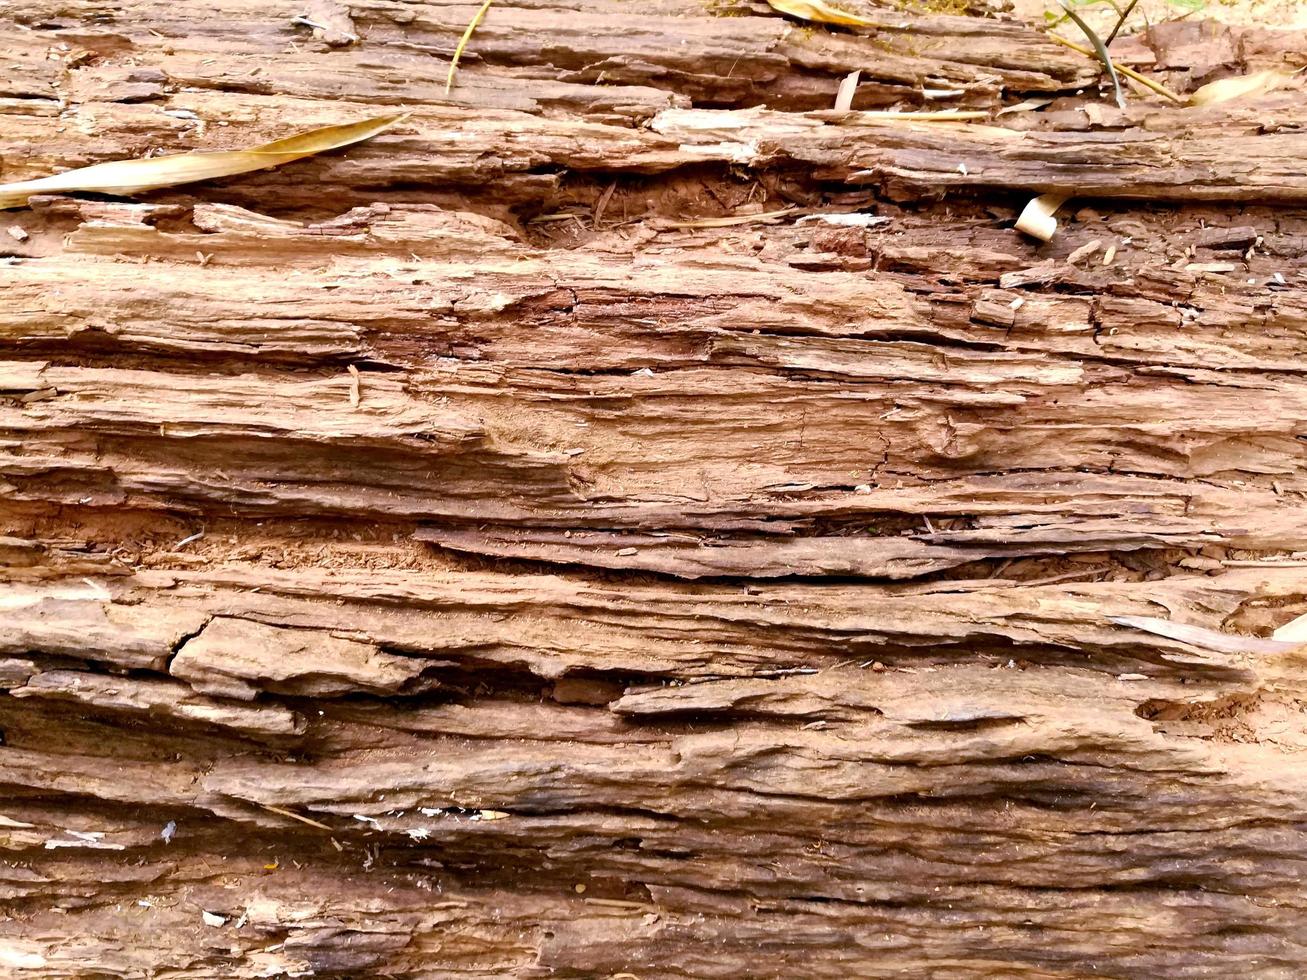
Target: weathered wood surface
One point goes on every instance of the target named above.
(674, 601)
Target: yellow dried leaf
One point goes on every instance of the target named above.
(820, 12)
(1227, 89)
(151, 173)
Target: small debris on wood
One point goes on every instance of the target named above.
(1084, 251)
(168, 832)
(853, 219)
(17, 233)
(1027, 106)
(1109, 255)
(1036, 218)
(212, 918)
(848, 87)
(355, 386)
(602, 204)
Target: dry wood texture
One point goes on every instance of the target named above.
(446, 558)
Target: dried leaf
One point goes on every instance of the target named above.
(136, 176)
(462, 43)
(1036, 218)
(1197, 636)
(1226, 89)
(820, 12)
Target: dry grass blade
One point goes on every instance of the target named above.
(462, 43)
(1197, 636)
(729, 220)
(1130, 73)
(820, 12)
(852, 117)
(1226, 89)
(280, 811)
(1100, 49)
(136, 176)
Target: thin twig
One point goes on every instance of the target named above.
(1144, 80)
(462, 43)
(1120, 22)
(295, 816)
(1100, 50)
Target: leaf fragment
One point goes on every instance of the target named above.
(127, 177)
(1227, 89)
(820, 12)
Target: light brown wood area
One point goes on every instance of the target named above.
(463, 555)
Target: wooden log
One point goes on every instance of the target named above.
(631, 520)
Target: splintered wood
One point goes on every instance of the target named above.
(630, 519)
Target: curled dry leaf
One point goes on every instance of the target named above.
(1226, 89)
(820, 12)
(136, 176)
(1036, 218)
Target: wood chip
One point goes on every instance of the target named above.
(1084, 251)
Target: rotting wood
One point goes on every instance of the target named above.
(411, 588)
